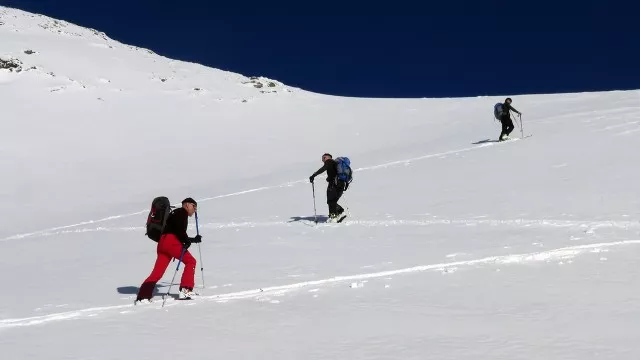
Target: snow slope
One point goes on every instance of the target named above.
(456, 248)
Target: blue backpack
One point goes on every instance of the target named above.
(345, 174)
(497, 110)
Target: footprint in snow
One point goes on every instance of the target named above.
(449, 270)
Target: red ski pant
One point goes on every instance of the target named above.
(169, 247)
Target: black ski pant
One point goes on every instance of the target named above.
(334, 192)
(507, 126)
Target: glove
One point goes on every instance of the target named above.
(186, 245)
(311, 179)
(197, 239)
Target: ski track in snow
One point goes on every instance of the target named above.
(565, 254)
(287, 184)
(585, 225)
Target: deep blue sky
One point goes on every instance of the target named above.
(384, 49)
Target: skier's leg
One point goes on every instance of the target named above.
(189, 273)
(510, 126)
(173, 248)
(339, 191)
(504, 123)
(332, 199)
(162, 261)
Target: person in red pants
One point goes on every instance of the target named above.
(174, 243)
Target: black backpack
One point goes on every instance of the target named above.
(157, 219)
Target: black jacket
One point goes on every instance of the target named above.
(505, 110)
(177, 223)
(331, 167)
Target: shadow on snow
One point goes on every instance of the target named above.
(321, 218)
(484, 141)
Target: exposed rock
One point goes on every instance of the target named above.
(259, 83)
(11, 64)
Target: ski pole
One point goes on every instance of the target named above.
(521, 131)
(164, 298)
(200, 252)
(315, 213)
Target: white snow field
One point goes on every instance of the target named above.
(455, 248)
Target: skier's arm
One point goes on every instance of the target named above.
(320, 171)
(512, 108)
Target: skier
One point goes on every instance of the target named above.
(174, 243)
(505, 119)
(335, 187)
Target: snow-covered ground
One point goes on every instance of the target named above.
(456, 247)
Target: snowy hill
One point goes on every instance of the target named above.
(456, 247)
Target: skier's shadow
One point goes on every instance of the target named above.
(320, 218)
(133, 290)
(484, 141)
